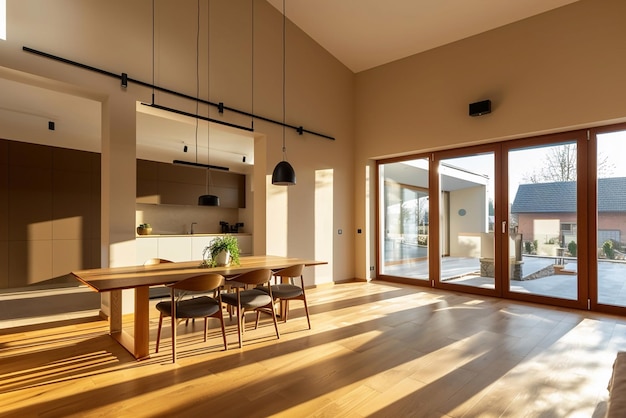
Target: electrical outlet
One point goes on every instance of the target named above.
(371, 268)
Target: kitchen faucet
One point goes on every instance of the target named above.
(192, 224)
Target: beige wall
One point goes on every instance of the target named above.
(116, 35)
(553, 72)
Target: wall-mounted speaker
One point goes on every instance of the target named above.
(480, 108)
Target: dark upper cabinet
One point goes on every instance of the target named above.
(169, 184)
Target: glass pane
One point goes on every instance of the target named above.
(543, 221)
(467, 216)
(404, 219)
(611, 217)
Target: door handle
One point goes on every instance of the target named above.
(504, 227)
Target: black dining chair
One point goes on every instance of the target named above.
(179, 308)
(286, 289)
(251, 299)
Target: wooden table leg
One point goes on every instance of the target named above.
(137, 344)
(115, 312)
(142, 322)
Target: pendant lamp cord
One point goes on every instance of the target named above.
(197, 73)
(152, 51)
(284, 83)
(208, 93)
(252, 65)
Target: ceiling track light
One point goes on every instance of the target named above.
(154, 88)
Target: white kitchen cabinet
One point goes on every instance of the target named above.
(182, 247)
(175, 248)
(197, 245)
(147, 248)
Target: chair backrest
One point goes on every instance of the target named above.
(201, 283)
(254, 277)
(155, 261)
(293, 271)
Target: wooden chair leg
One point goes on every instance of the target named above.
(286, 309)
(158, 341)
(239, 325)
(275, 321)
(256, 323)
(221, 318)
(306, 310)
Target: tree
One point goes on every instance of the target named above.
(560, 165)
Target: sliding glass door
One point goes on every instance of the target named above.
(404, 219)
(467, 216)
(611, 218)
(543, 219)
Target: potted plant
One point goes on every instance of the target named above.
(221, 251)
(144, 229)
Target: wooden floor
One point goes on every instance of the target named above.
(376, 349)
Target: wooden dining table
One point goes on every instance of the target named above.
(141, 278)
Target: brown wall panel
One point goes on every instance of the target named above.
(71, 160)
(147, 170)
(176, 193)
(30, 203)
(162, 183)
(30, 262)
(49, 213)
(71, 205)
(4, 264)
(181, 174)
(4, 192)
(95, 209)
(148, 191)
(30, 155)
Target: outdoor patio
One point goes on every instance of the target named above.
(466, 271)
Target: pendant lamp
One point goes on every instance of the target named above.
(284, 174)
(205, 199)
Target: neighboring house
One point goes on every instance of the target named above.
(547, 211)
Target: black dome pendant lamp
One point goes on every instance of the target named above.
(205, 199)
(284, 174)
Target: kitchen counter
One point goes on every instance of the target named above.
(183, 247)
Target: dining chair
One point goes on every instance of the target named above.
(246, 299)
(285, 289)
(199, 307)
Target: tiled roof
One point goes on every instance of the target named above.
(561, 197)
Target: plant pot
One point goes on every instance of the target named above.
(222, 259)
(144, 231)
